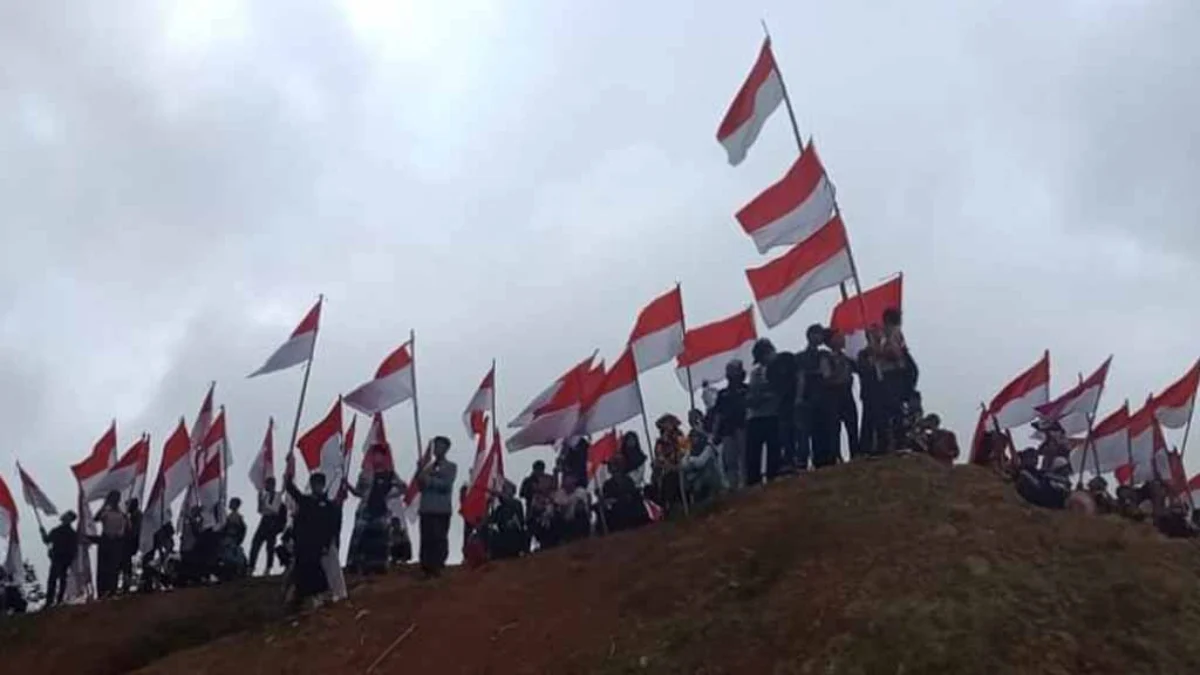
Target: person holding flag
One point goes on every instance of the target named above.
(436, 482)
(63, 541)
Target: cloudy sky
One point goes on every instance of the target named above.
(180, 179)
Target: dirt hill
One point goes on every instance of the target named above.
(890, 566)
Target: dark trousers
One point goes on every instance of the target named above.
(788, 449)
(435, 542)
(109, 553)
(56, 583)
(762, 433)
(870, 439)
(847, 417)
(822, 430)
(263, 536)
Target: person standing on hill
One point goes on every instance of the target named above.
(840, 391)
(314, 529)
(781, 373)
(899, 374)
(436, 481)
(817, 412)
(63, 541)
(762, 417)
(134, 513)
(729, 423)
(271, 521)
(110, 545)
(870, 390)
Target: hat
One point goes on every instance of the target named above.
(667, 421)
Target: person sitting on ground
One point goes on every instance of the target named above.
(1098, 489)
(232, 559)
(669, 451)
(633, 456)
(63, 541)
(12, 598)
(702, 473)
(1048, 489)
(1173, 523)
(272, 519)
(1054, 442)
(504, 530)
(572, 511)
(622, 501)
(314, 529)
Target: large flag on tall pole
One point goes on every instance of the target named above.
(173, 478)
(34, 496)
(90, 472)
(1173, 407)
(263, 466)
(377, 437)
(819, 262)
(657, 335)
(854, 315)
(8, 529)
(488, 480)
(758, 97)
(299, 346)
(1017, 402)
(527, 415)
(392, 384)
(1073, 408)
(792, 209)
(481, 403)
(709, 348)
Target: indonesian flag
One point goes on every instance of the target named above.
(791, 210)
(1173, 407)
(617, 399)
(488, 480)
(849, 320)
(174, 477)
(599, 452)
(128, 475)
(90, 472)
(657, 335)
(759, 96)
(34, 496)
(819, 262)
(377, 436)
(263, 466)
(481, 450)
(204, 419)
(1109, 446)
(526, 416)
(1143, 444)
(8, 527)
(1193, 484)
(299, 346)
(1017, 402)
(557, 417)
(483, 402)
(1073, 408)
(321, 447)
(393, 384)
(208, 490)
(709, 348)
(1154, 461)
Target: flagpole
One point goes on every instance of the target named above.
(21, 476)
(304, 384)
(687, 369)
(412, 343)
(1091, 418)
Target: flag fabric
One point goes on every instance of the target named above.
(1017, 402)
(527, 415)
(709, 348)
(263, 466)
(321, 447)
(848, 317)
(90, 472)
(215, 446)
(204, 420)
(617, 399)
(1073, 407)
(653, 511)
(759, 96)
(128, 475)
(393, 384)
(1193, 484)
(34, 496)
(657, 335)
(792, 209)
(1145, 437)
(208, 491)
(173, 478)
(1108, 447)
(1154, 462)
(819, 262)
(377, 435)
(299, 345)
(558, 417)
(599, 452)
(1173, 407)
(343, 485)
(482, 403)
(488, 480)
(13, 561)
(8, 529)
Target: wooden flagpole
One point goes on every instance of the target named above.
(304, 383)
(687, 369)
(412, 345)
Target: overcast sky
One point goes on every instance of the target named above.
(180, 180)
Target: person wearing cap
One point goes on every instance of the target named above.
(314, 528)
(63, 541)
(669, 451)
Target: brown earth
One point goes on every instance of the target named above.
(890, 566)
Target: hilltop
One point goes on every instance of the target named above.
(897, 565)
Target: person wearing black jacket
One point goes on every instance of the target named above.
(64, 546)
(729, 423)
(815, 410)
(314, 528)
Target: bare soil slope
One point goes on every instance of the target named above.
(891, 566)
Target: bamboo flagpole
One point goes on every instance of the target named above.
(304, 383)
(412, 345)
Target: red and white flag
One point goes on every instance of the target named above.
(1150, 461)
(208, 490)
(128, 475)
(1193, 486)
(526, 416)
(204, 419)
(488, 480)
(1173, 407)
(343, 486)
(90, 472)
(791, 210)
(173, 478)
(1073, 407)
(1109, 446)
(393, 384)
(263, 466)
(849, 320)
(1143, 428)
(34, 496)
(1017, 402)
(321, 447)
(557, 417)
(599, 452)
(657, 335)
(819, 262)
(617, 399)
(8, 529)
(481, 404)
(709, 348)
(299, 346)
(377, 437)
(760, 95)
